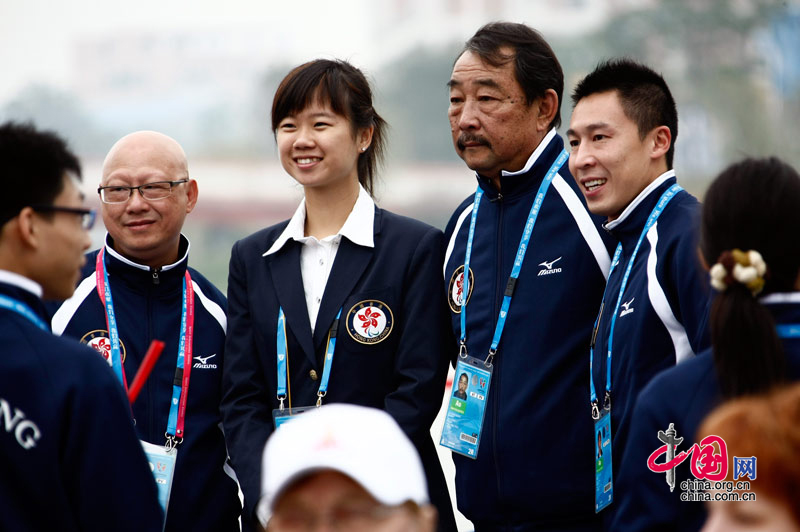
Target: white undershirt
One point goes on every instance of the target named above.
(317, 256)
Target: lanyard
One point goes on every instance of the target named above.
(282, 357)
(180, 384)
(651, 220)
(23, 310)
(521, 249)
(788, 331)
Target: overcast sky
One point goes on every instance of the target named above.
(37, 36)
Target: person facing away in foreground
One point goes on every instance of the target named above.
(505, 95)
(346, 467)
(138, 287)
(336, 304)
(69, 456)
(765, 428)
(749, 222)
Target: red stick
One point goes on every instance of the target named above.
(153, 352)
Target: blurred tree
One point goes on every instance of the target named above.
(62, 112)
(412, 95)
(705, 49)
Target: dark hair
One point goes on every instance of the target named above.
(463, 375)
(34, 164)
(751, 205)
(643, 94)
(346, 90)
(535, 64)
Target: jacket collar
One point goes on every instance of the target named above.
(628, 227)
(519, 183)
(141, 275)
(784, 307)
(24, 290)
(21, 281)
(358, 228)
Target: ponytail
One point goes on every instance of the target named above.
(752, 205)
(748, 354)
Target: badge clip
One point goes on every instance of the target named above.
(595, 410)
(607, 401)
(281, 399)
(172, 442)
(490, 358)
(320, 395)
(462, 351)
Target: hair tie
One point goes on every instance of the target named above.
(737, 266)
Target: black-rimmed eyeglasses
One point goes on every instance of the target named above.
(149, 191)
(88, 216)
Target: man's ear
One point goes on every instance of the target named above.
(191, 195)
(662, 140)
(548, 107)
(27, 226)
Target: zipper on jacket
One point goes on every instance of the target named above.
(155, 271)
(151, 428)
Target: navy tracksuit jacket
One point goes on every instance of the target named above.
(535, 467)
(662, 319)
(69, 456)
(147, 304)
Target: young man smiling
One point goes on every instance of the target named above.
(654, 310)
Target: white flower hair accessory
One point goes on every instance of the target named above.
(737, 266)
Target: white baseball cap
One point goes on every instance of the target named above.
(365, 444)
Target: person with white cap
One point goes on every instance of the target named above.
(343, 467)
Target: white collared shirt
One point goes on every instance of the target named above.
(317, 256)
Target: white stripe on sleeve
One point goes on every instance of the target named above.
(466, 212)
(68, 308)
(680, 341)
(212, 308)
(587, 228)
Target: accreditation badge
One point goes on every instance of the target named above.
(162, 465)
(282, 415)
(463, 422)
(603, 482)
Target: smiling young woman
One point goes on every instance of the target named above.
(338, 303)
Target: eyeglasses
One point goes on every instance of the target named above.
(149, 191)
(88, 216)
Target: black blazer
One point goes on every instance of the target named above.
(403, 373)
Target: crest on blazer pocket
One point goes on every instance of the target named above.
(455, 290)
(100, 341)
(369, 321)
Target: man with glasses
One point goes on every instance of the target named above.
(138, 288)
(60, 446)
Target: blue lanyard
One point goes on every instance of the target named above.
(23, 310)
(521, 249)
(651, 220)
(180, 386)
(788, 331)
(283, 355)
